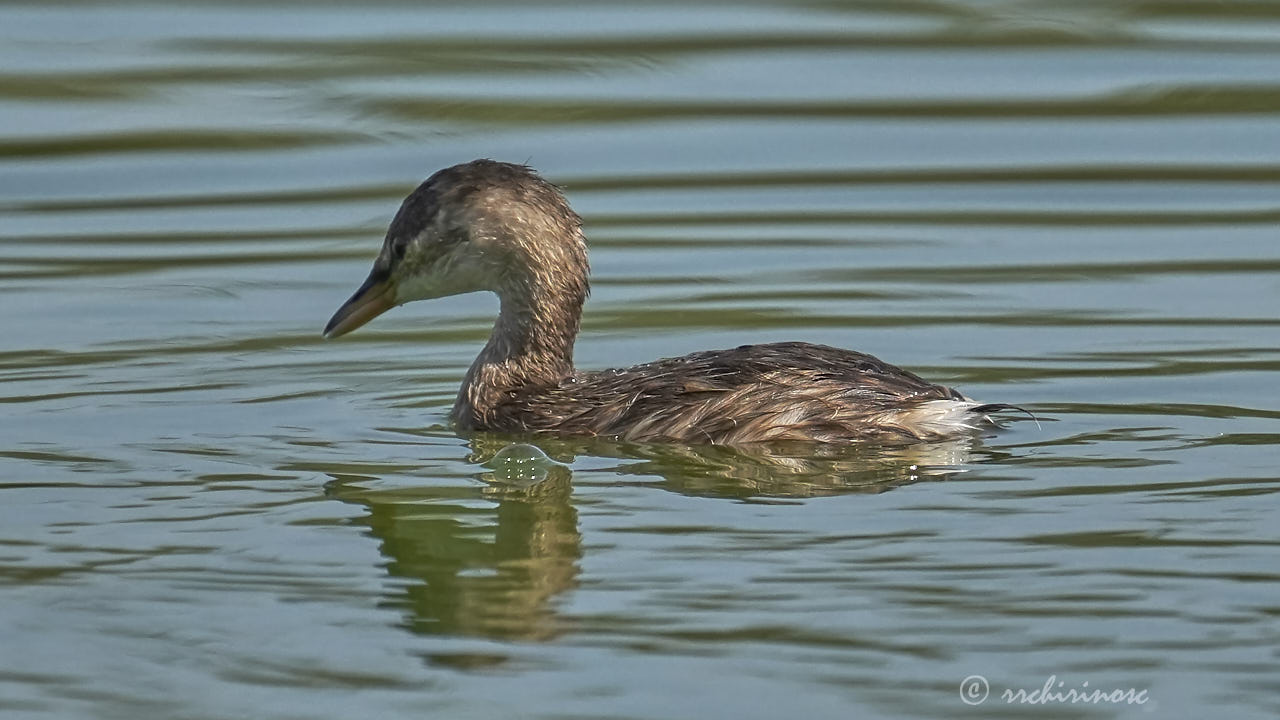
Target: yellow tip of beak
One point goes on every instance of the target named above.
(376, 296)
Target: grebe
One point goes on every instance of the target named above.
(487, 225)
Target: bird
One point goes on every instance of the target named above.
(499, 227)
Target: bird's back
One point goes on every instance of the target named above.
(752, 393)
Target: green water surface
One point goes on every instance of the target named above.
(207, 511)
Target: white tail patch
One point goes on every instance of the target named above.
(937, 418)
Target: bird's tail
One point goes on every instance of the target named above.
(988, 408)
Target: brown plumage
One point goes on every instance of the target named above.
(494, 226)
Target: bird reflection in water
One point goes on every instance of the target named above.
(476, 570)
(762, 472)
(490, 559)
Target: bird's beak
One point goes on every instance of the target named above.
(376, 296)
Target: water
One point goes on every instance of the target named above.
(206, 511)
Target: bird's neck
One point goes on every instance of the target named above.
(531, 346)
